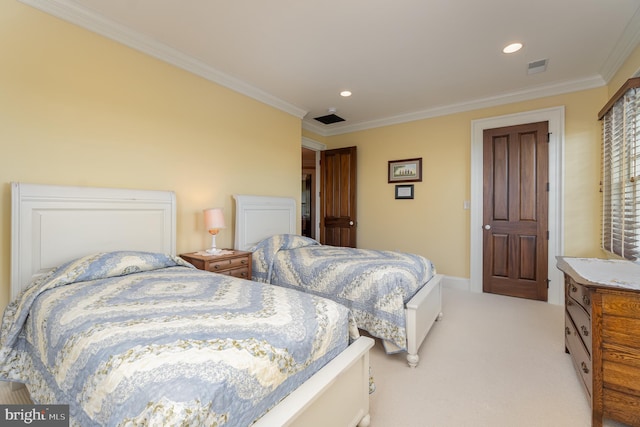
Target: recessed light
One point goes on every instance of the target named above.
(345, 93)
(513, 47)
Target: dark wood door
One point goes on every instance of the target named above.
(338, 197)
(515, 211)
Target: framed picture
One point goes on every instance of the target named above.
(404, 191)
(408, 170)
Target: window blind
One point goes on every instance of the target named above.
(621, 172)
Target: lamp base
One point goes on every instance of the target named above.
(213, 250)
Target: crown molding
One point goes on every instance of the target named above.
(494, 101)
(629, 40)
(315, 128)
(313, 144)
(71, 12)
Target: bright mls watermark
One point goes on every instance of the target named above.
(34, 415)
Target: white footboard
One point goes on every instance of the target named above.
(337, 395)
(421, 312)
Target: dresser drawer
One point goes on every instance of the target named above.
(621, 305)
(621, 330)
(227, 264)
(579, 293)
(579, 355)
(618, 374)
(621, 407)
(621, 320)
(582, 322)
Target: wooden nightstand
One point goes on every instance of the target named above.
(237, 264)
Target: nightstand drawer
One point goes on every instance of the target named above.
(242, 272)
(234, 263)
(227, 264)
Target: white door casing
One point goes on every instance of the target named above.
(555, 118)
(317, 147)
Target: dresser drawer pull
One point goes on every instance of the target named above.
(584, 367)
(573, 288)
(216, 267)
(243, 262)
(567, 330)
(586, 300)
(584, 330)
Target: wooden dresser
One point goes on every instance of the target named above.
(236, 264)
(602, 334)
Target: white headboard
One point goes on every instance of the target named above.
(258, 217)
(51, 225)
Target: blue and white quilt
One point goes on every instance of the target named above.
(133, 338)
(375, 285)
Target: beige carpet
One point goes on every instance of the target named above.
(491, 361)
(9, 396)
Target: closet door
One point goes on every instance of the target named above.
(515, 211)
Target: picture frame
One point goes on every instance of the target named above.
(407, 170)
(404, 191)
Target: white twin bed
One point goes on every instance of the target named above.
(52, 225)
(267, 225)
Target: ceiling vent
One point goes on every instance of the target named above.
(329, 119)
(537, 66)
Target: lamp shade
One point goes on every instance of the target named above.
(213, 218)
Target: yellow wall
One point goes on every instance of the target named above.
(435, 224)
(79, 109)
(626, 71)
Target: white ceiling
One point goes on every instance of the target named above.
(402, 59)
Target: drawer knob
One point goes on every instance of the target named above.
(216, 267)
(244, 261)
(574, 289)
(567, 330)
(584, 367)
(584, 330)
(586, 300)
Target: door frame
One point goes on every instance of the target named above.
(555, 117)
(317, 147)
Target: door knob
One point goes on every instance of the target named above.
(487, 227)
(350, 222)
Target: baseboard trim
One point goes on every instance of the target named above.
(460, 283)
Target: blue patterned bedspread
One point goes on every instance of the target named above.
(133, 338)
(375, 285)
